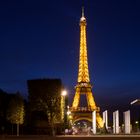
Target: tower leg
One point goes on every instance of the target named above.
(76, 100)
(90, 100)
(99, 121)
(91, 103)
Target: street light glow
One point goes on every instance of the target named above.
(64, 93)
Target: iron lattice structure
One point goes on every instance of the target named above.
(83, 86)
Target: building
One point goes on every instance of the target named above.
(44, 102)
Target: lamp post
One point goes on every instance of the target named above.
(137, 126)
(68, 116)
(136, 103)
(64, 94)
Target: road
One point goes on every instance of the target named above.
(75, 137)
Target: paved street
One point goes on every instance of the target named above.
(81, 137)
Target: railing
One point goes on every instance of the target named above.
(84, 109)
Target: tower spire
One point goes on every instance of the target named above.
(82, 11)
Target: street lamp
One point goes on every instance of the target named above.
(64, 94)
(68, 112)
(135, 102)
(69, 117)
(137, 126)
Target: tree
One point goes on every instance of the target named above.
(4, 98)
(45, 95)
(15, 111)
(51, 105)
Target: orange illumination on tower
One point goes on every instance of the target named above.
(83, 84)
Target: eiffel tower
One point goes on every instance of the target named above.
(83, 86)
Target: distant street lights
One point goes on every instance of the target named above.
(69, 117)
(68, 113)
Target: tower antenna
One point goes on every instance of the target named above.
(82, 11)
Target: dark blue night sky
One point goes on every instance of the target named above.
(40, 39)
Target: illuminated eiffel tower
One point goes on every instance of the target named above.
(83, 86)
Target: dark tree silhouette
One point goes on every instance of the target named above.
(15, 111)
